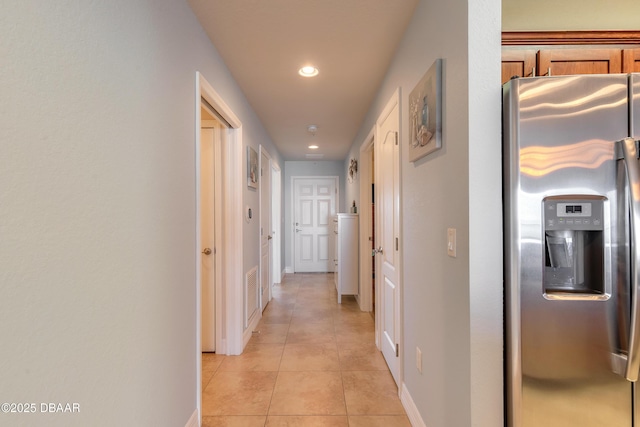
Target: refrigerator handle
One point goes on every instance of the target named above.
(630, 156)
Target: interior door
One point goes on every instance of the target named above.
(387, 233)
(265, 229)
(207, 199)
(314, 208)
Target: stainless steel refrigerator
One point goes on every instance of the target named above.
(572, 248)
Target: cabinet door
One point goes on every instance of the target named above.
(561, 62)
(631, 60)
(518, 62)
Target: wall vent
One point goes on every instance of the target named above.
(251, 296)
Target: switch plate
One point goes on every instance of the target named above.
(419, 359)
(451, 242)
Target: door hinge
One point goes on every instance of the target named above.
(396, 244)
(397, 350)
(396, 138)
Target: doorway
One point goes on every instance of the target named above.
(213, 131)
(228, 209)
(265, 228)
(314, 206)
(276, 219)
(387, 268)
(367, 224)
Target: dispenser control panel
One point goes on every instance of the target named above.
(563, 214)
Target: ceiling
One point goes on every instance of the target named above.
(265, 42)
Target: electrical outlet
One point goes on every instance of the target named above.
(451, 242)
(419, 359)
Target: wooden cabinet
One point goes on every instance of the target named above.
(562, 62)
(346, 252)
(560, 53)
(518, 62)
(631, 60)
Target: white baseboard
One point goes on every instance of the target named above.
(288, 270)
(248, 333)
(411, 408)
(193, 420)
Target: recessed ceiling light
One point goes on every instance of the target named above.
(313, 147)
(308, 71)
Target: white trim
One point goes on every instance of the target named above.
(248, 333)
(194, 420)
(287, 270)
(366, 260)
(293, 209)
(410, 407)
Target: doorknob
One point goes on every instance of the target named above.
(269, 237)
(206, 251)
(377, 251)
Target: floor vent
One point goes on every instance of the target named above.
(251, 296)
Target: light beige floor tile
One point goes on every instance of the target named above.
(371, 393)
(270, 333)
(379, 421)
(206, 377)
(311, 315)
(211, 361)
(361, 357)
(307, 421)
(283, 316)
(255, 357)
(238, 393)
(350, 335)
(310, 333)
(234, 421)
(310, 357)
(308, 393)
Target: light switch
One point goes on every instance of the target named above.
(451, 242)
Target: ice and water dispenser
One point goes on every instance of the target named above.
(574, 245)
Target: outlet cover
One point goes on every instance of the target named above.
(451, 242)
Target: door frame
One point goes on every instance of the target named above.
(265, 169)
(366, 260)
(293, 208)
(230, 286)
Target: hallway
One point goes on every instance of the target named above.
(313, 363)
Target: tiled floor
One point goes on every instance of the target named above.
(314, 363)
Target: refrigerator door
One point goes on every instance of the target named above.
(566, 324)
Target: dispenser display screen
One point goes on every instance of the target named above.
(574, 210)
(572, 213)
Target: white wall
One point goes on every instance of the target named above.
(97, 207)
(306, 168)
(452, 306)
(549, 15)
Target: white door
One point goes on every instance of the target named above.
(314, 206)
(265, 229)
(207, 234)
(387, 234)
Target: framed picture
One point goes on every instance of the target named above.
(252, 167)
(425, 113)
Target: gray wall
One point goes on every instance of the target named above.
(97, 207)
(306, 168)
(452, 306)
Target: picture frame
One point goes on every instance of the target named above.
(252, 168)
(425, 113)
